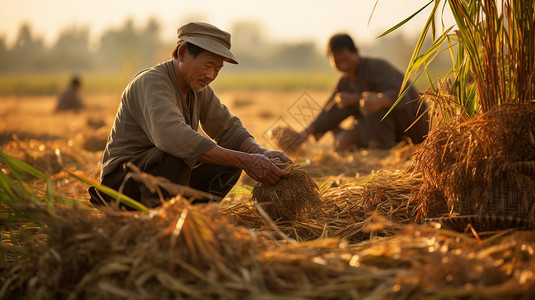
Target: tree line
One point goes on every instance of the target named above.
(72, 51)
(131, 48)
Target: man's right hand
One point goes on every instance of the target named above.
(257, 165)
(345, 99)
(261, 168)
(372, 102)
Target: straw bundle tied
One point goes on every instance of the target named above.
(286, 138)
(293, 197)
(481, 167)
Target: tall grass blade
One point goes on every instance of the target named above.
(419, 44)
(401, 96)
(124, 199)
(405, 20)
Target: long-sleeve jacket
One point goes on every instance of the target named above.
(154, 113)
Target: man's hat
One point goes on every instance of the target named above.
(208, 37)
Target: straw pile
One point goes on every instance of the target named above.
(358, 211)
(286, 138)
(483, 166)
(175, 251)
(354, 210)
(361, 245)
(293, 197)
(44, 156)
(52, 156)
(183, 251)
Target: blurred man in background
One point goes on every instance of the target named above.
(70, 98)
(157, 123)
(366, 90)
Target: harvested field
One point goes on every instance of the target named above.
(365, 238)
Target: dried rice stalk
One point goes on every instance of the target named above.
(353, 211)
(184, 251)
(92, 254)
(286, 138)
(293, 197)
(472, 167)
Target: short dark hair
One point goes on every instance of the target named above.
(194, 50)
(339, 42)
(75, 81)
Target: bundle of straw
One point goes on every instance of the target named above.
(293, 197)
(475, 167)
(286, 138)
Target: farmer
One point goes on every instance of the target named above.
(366, 90)
(70, 98)
(157, 122)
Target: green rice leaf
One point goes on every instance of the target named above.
(406, 20)
(16, 165)
(419, 44)
(124, 199)
(401, 96)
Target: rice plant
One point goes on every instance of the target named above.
(492, 48)
(27, 204)
(473, 162)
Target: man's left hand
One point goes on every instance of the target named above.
(249, 145)
(345, 99)
(276, 154)
(372, 102)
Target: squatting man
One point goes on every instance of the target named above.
(157, 122)
(366, 90)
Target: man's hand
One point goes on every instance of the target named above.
(257, 165)
(344, 99)
(261, 168)
(274, 155)
(372, 102)
(251, 146)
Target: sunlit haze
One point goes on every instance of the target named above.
(280, 20)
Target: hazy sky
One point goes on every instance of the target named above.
(282, 20)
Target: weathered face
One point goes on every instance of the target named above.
(345, 61)
(200, 71)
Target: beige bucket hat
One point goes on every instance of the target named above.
(208, 37)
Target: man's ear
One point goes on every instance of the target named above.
(182, 51)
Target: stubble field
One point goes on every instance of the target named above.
(31, 120)
(362, 242)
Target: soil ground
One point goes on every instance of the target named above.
(81, 135)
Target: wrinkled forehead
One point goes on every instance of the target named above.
(209, 57)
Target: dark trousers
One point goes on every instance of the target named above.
(213, 179)
(372, 131)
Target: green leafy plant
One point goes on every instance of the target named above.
(492, 47)
(28, 200)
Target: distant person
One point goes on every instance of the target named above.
(366, 90)
(70, 98)
(157, 123)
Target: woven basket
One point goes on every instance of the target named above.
(505, 199)
(508, 206)
(525, 167)
(481, 223)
